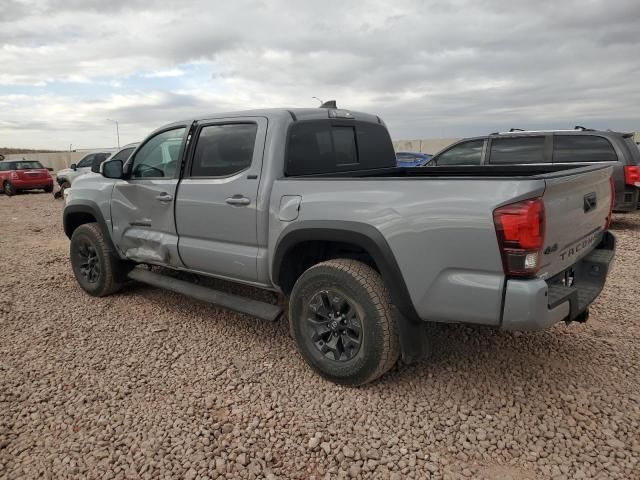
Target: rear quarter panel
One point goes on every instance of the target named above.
(440, 232)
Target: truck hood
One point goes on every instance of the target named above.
(64, 171)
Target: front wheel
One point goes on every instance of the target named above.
(95, 265)
(343, 323)
(63, 186)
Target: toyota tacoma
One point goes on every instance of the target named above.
(309, 203)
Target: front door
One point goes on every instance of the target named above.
(142, 206)
(216, 210)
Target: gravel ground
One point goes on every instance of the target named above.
(149, 384)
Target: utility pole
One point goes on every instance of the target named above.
(117, 130)
(69, 162)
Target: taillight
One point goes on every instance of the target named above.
(632, 175)
(520, 228)
(613, 201)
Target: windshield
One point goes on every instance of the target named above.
(26, 165)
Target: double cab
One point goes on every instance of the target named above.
(309, 203)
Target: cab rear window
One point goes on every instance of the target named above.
(324, 146)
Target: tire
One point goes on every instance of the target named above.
(48, 188)
(9, 189)
(95, 265)
(339, 296)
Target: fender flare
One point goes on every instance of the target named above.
(364, 236)
(83, 207)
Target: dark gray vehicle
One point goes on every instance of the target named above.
(581, 146)
(309, 203)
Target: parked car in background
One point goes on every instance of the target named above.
(580, 146)
(18, 175)
(66, 176)
(412, 159)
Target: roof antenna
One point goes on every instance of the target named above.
(329, 104)
(320, 100)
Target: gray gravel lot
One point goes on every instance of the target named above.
(149, 384)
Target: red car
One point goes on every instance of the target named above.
(16, 175)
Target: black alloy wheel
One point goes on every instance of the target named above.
(334, 326)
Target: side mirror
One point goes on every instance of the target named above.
(50, 169)
(73, 166)
(95, 168)
(112, 169)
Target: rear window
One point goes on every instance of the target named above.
(517, 150)
(26, 165)
(582, 148)
(322, 146)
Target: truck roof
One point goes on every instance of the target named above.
(287, 114)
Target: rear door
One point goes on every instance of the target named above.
(576, 206)
(142, 206)
(216, 213)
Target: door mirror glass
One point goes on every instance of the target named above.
(73, 166)
(112, 169)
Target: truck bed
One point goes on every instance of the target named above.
(463, 171)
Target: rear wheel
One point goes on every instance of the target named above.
(343, 323)
(9, 188)
(48, 188)
(95, 265)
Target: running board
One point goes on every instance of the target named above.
(255, 308)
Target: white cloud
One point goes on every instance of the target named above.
(431, 69)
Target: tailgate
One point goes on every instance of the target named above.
(577, 204)
(33, 174)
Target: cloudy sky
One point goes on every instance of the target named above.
(431, 69)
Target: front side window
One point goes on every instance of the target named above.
(159, 157)
(582, 148)
(517, 150)
(224, 150)
(466, 153)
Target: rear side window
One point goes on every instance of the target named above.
(123, 154)
(582, 148)
(517, 150)
(223, 150)
(4, 167)
(321, 146)
(466, 153)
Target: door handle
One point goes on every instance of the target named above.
(238, 200)
(164, 197)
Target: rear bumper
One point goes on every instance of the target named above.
(32, 183)
(627, 200)
(537, 304)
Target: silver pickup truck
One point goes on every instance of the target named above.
(309, 203)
